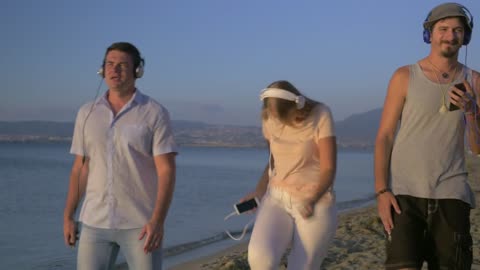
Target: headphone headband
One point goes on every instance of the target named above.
(283, 94)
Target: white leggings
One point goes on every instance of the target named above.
(279, 224)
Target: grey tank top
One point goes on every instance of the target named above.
(428, 159)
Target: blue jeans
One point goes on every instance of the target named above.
(98, 249)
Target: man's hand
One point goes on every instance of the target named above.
(385, 201)
(154, 234)
(70, 231)
(465, 99)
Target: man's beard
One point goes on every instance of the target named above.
(450, 51)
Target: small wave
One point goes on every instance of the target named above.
(58, 263)
(356, 202)
(185, 247)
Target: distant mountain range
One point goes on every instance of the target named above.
(357, 131)
(359, 128)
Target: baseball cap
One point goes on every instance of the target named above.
(444, 11)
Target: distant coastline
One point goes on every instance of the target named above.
(356, 133)
(33, 139)
(67, 140)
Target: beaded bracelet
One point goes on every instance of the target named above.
(472, 113)
(380, 192)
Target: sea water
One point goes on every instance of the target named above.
(34, 181)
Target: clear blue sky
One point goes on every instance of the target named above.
(208, 60)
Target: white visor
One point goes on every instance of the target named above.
(283, 94)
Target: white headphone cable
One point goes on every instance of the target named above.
(245, 228)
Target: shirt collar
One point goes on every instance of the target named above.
(136, 98)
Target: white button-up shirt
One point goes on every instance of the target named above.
(122, 180)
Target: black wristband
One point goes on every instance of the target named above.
(380, 192)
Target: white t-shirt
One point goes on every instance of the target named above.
(295, 151)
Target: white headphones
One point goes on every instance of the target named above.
(283, 94)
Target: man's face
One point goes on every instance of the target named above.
(447, 36)
(119, 71)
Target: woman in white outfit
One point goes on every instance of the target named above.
(297, 206)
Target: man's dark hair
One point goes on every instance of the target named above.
(129, 49)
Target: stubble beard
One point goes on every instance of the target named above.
(450, 52)
(122, 87)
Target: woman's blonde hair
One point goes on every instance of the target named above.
(287, 110)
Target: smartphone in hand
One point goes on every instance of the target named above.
(246, 205)
(460, 86)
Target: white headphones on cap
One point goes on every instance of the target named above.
(283, 94)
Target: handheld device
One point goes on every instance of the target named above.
(461, 87)
(239, 209)
(246, 205)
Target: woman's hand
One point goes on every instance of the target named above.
(306, 209)
(250, 196)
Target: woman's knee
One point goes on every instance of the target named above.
(262, 258)
(303, 260)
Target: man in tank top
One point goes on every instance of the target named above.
(423, 196)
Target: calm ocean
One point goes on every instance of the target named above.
(34, 180)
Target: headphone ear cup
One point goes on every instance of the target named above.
(426, 36)
(139, 71)
(100, 72)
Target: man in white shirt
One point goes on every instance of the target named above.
(123, 144)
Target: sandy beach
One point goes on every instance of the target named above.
(358, 244)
